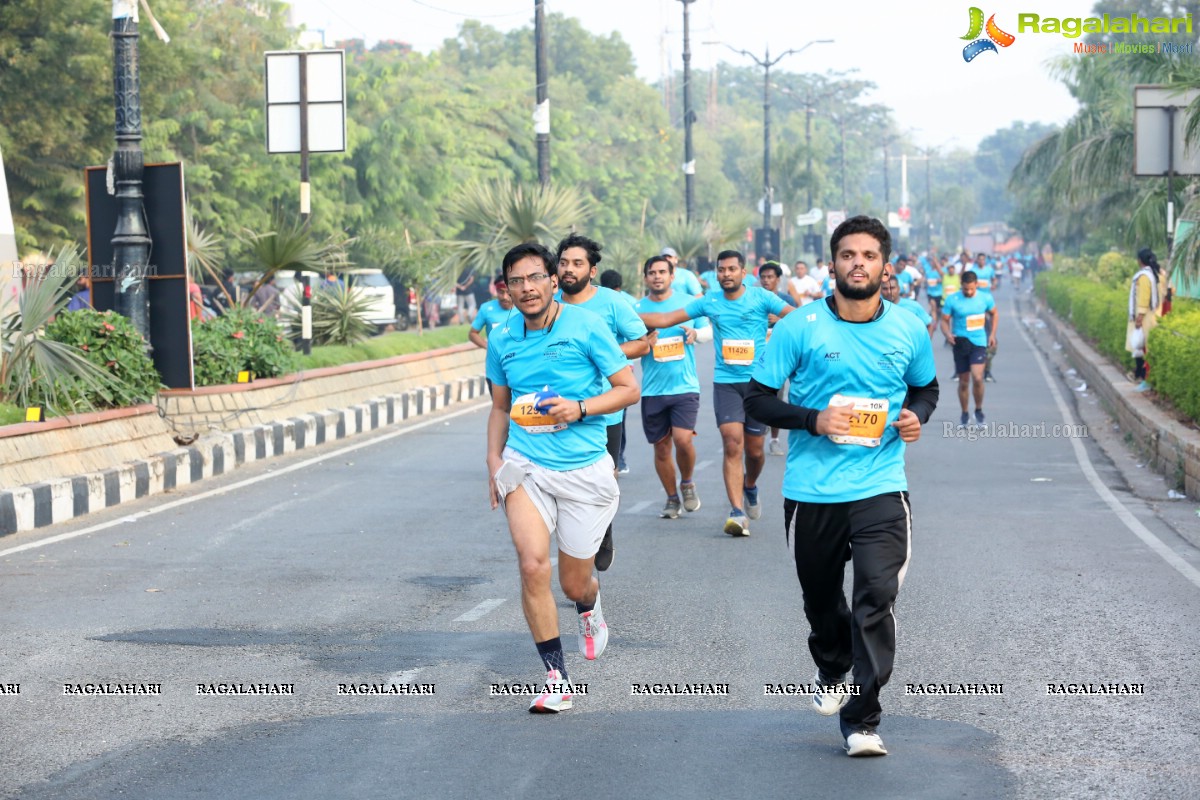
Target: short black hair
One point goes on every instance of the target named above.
(610, 279)
(772, 266)
(524, 250)
(862, 224)
(724, 254)
(969, 276)
(652, 260)
(590, 246)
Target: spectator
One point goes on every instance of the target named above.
(228, 295)
(464, 290)
(266, 297)
(83, 294)
(332, 282)
(1144, 308)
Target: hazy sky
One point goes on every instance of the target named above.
(912, 51)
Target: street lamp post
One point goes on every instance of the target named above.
(131, 240)
(542, 115)
(766, 62)
(689, 157)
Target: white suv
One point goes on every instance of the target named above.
(369, 283)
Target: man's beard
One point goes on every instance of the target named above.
(572, 288)
(846, 290)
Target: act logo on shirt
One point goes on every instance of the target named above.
(832, 357)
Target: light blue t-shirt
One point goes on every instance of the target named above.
(619, 318)
(967, 315)
(491, 314)
(709, 276)
(574, 358)
(674, 376)
(749, 280)
(908, 304)
(685, 281)
(905, 279)
(743, 322)
(987, 277)
(933, 281)
(821, 356)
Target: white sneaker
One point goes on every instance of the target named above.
(774, 447)
(828, 700)
(865, 743)
(554, 696)
(593, 632)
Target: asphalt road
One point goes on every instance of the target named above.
(380, 563)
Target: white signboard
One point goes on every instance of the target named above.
(8, 241)
(324, 98)
(1152, 132)
(833, 219)
(811, 218)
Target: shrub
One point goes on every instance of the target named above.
(109, 341)
(339, 316)
(240, 339)
(1173, 353)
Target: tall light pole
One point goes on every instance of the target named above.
(541, 117)
(766, 62)
(131, 240)
(689, 157)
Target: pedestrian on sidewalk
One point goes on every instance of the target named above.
(1145, 304)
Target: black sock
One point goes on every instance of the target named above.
(580, 608)
(552, 655)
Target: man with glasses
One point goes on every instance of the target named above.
(739, 318)
(555, 374)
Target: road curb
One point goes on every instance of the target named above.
(60, 499)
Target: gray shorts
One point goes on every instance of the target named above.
(728, 402)
(576, 505)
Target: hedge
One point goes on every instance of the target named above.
(1100, 314)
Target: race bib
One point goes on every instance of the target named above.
(866, 429)
(984, 283)
(525, 413)
(950, 289)
(932, 281)
(975, 322)
(669, 349)
(738, 352)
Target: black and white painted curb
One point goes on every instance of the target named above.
(49, 502)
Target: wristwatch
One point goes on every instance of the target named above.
(582, 410)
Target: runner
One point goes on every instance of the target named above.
(803, 287)
(969, 325)
(555, 373)
(862, 385)
(491, 313)
(891, 293)
(986, 275)
(578, 257)
(933, 284)
(739, 319)
(769, 276)
(670, 391)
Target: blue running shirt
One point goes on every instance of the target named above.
(987, 277)
(670, 367)
(968, 314)
(491, 314)
(908, 304)
(933, 281)
(739, 329)
(876, 361)
(574, 359)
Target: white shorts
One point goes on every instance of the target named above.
(577, 505)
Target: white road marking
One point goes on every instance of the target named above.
(481, 610)
(183, 501)
(639, 507)
(1085, 464)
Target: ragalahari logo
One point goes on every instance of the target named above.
(995, 36)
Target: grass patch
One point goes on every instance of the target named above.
(10, 414)
(399, 343)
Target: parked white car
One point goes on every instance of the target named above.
(367, 282)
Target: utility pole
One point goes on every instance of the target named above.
(541, 116)
(689, 157)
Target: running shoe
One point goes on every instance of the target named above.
(964, 419)
(987, 376)
(623, 469)
(826, 699)
(554, 697)
(691, 501)
(775, 448)
(737, 525)
(1141, 387)
(671, 509)
(604, 556)
(753, 507)
(593, 632)
(978, 417)
(865, 743)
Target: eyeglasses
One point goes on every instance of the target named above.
(534, 280)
